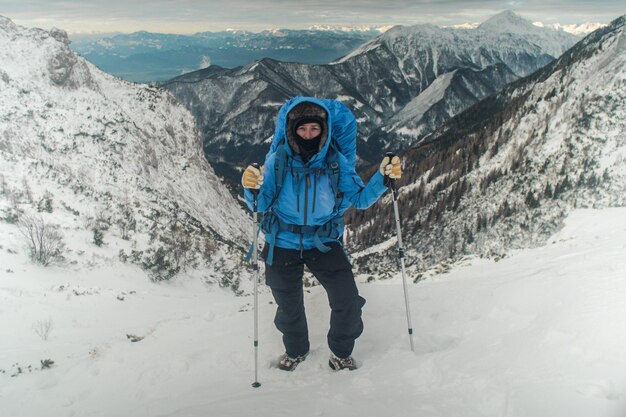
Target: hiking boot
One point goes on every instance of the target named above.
(287, 363)
(337, 364)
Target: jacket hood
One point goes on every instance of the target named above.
(302, 108)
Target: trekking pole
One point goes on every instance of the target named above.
(394, 190)
(255, 266)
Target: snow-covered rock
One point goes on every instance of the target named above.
(96, 144)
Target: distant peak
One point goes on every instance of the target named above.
(574, 29)
(422, 28)
(7, 24)
(508, 21)
(467, 25)
(329, 28)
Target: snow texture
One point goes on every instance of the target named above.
(99, 145)
(538, 333)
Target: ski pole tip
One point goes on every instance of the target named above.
(256, 384)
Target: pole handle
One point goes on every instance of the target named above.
(255, 191)
(390, 182)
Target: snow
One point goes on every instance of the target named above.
(416, 108)
(472, 25)
(344, 98)
(368, 46)
(362, 28)
(539, 333)
(575, 29)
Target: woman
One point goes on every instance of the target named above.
(303, 225)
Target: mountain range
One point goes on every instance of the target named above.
(506, 172)
(121, 165)
(147, 57)
(401, 86)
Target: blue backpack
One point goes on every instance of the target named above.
(343, 140)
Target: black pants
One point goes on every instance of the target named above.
(334, 272)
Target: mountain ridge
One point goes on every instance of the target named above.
(504, 173)
(127, 155)
(375, 81)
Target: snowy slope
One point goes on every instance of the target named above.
(539, 333)
(501, 49)
(505, 173)
(450, 94)
(101, 147)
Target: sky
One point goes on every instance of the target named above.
(191, 16)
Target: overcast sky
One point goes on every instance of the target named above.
(190, 16)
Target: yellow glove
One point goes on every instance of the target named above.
(252, 177)
(391, 169)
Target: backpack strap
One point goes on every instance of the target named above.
(332, 159)
(272, 225)
(280, 163)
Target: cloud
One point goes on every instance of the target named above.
(197, 15)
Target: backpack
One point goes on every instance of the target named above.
(343, 140)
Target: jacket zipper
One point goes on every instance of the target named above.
(314, 190)
(298, 193)
(306, 203)
(306, 196)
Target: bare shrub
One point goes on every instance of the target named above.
(43, 328)
(126, 222)
(28, 192)
(45, 244)
(103, 219)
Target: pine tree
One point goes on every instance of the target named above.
(98, 237)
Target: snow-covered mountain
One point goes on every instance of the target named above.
(145, 56)
(109, 163)
(449, 94)
(581, 29)
(553, 41)
(381, 82)
(365, 28)
(575, 29)
(501, 49)
(506, 172)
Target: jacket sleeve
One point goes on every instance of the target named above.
(267, 190)
(360, 195)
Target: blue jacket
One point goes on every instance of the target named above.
(308, 200)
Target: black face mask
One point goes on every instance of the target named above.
(308, 148)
